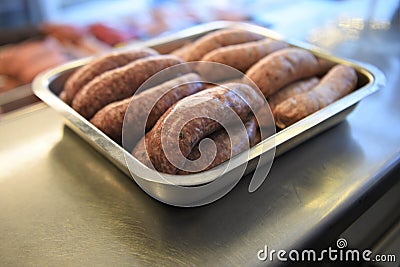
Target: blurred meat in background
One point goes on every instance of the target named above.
(40, 34)
(71, 29)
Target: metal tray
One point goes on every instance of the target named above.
(175, 191)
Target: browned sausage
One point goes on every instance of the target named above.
(119, 83)
(152, 103)
(291, 90)
(338, 82)
(98, 66)
(216, 40)
(209, 104)
(281, 68)
(243, 56)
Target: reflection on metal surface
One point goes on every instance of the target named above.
(21, 112)
(17, 98)
(353, 24)
(8, 156)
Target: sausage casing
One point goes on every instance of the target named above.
(215, 40)
(119, 83)
(243, 56)
(338, 82)
(291, 90)
(100, 65)
(147, 106)
(190, 127)
(281, 68)
(227, 146)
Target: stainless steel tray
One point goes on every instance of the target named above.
(192, 190)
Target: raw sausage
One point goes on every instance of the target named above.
(281, 68)
(338, 82)
(243, 56)
(183, 120)
(118, 84)
(152, 103)
(227, 146)
(216, 40)
(105, 63)
(291, 90)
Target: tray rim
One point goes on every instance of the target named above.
(115, 153)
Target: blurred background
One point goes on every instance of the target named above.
(145, 18)
(63, 30)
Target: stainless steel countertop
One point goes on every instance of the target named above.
(62, 203)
